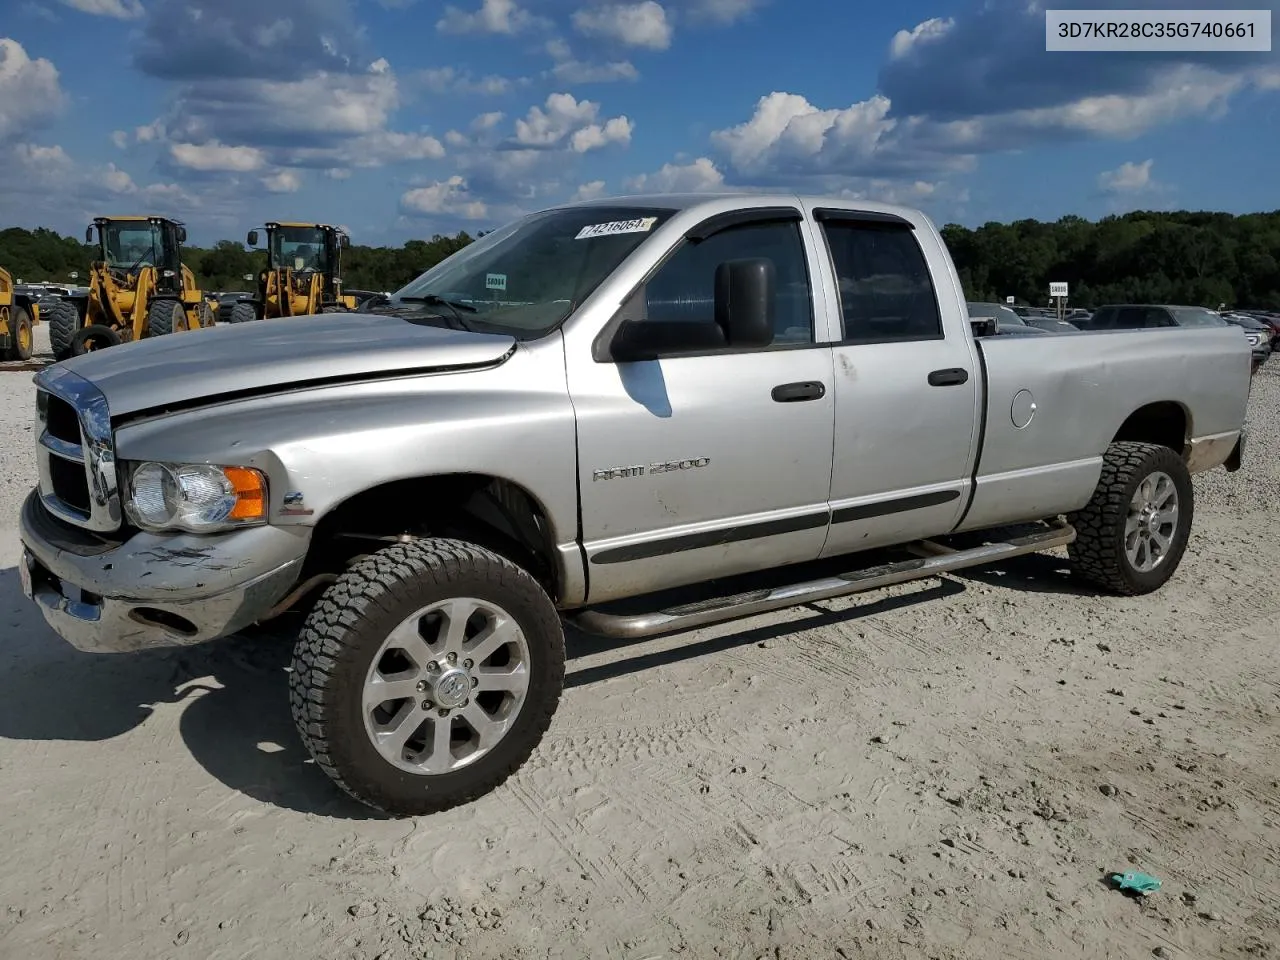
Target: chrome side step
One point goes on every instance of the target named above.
(935, 559)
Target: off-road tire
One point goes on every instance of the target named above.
(164, 317)
(21, 334)
(64, 321)
(347, 626)
(332, 308)
(1098, 556)
(242, 311)
(96, 336)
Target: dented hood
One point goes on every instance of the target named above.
(268, 355)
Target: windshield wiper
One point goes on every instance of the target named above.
(438, 301)
(455, 306)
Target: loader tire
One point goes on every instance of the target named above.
(334, 309)
(165, 316)
(1131, 536)
(96, 336)
(21, 335)
(242, 311)
(64, 321)
(412, 654)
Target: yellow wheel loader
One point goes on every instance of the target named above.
(18, 315)
(138, 287)
(303, 275)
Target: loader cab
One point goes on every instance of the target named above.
(127, 244)
(305, 248)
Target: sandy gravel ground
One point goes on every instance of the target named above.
(948, 770)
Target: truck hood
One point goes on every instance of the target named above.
(267, 355)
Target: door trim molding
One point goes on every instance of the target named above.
(721, 536)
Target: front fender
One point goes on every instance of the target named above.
(320, 446)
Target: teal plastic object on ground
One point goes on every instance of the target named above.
(1136, 882)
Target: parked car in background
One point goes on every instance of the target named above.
(1008, 323)
(1272, 320)
(1051, 324)
(1258, 333)
(1136, 316)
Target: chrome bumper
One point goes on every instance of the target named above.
(153, 591)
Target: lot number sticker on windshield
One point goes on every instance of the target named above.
(643, 225)
(495, 281)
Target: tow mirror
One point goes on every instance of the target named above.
(745, 301)
(252, 239)
(182, 234)
(88, 234)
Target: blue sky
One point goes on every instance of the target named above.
(406, 118)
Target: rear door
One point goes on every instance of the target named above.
(907, 394)
(699, 466)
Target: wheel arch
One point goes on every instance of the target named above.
(1165, 422)
(487, 509)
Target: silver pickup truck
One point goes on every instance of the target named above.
(568, 420)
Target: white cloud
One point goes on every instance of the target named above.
(642, 24)
(149, 132)
(1127, 178)
(567, 69)
(786, 128)
(723, 11)
(700, 176)
(119, 9)
(452, 80)
(120, 138)
(117, 180)
(337, 173)
(445, 197)
(33, 157)
(591, 190)
(215, 156)
(567, 119)
(29, 89)
(283, 181)
(904, 41)
(494, 16)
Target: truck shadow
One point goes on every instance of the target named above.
(1032, 573)
(232, 693)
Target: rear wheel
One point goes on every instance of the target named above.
(21, 337)
(165, 316)
(426, 675)
(64, 321)
(96, 336)
(205, 316)
(1131, 536)
(242, 311)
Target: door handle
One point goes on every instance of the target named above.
(951, 377)
(804, 390)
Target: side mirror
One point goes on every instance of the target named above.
(182, 234)
(745, 301)
(983, 326)
(252, 240)
(344, 242)
(88, 234)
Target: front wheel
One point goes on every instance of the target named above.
(1131, 536)
(427, 675)
(21, 339)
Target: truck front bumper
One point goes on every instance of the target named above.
(151, 591)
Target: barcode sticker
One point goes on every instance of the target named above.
(642, 225)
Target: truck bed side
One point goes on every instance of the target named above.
(1184, 387)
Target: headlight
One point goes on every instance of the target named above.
(197, 498)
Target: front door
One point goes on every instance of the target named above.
(906, 392)
(693, 467)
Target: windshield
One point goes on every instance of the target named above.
(299, 248)
(526, 277)
(1196, 317)
(132, 244)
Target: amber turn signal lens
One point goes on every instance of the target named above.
(251, 493)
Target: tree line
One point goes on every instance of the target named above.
(42, 254)
(1143, 257)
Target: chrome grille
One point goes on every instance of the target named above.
(76, 456)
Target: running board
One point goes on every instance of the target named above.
(936, 559)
